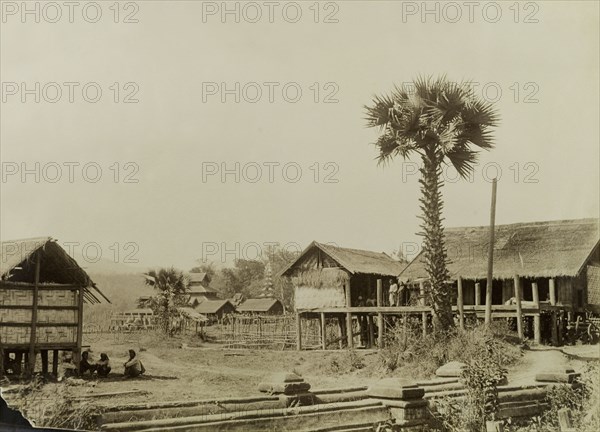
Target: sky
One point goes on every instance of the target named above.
(199, 133)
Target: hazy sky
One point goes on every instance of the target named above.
(180, 56)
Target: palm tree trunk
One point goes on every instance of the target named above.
(434, 244)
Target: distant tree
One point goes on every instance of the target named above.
(399, 255)
(283, 288)
(170, 287)
(441, 122)
(246, 277)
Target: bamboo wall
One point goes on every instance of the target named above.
(46, 333)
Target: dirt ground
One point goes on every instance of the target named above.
(209, 371)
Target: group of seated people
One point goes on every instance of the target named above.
(133, 366)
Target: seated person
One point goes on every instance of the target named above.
(84, 364)
(103, 366)
(133, 366)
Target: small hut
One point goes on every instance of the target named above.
(214, 310)
(336, 282)
(261, 306)
(42, 291)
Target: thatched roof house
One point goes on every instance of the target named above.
(535, 251)
(322, 274)
(42, 292)
(214, 309)
(261, 306)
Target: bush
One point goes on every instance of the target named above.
(407, 348)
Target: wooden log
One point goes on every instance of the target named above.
(477, 294)
(323, 332)
(55, 362)
(517, 282)
(349, 331)
(32, 336)
(380, 323)
(298, 331)
(537, 327)
(460, 303)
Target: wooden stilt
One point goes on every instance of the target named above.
(561, 318)
(380, 323)
(371, 332)
(298, 331)
(477, 294)
(460, 304)
(349, 331)
(44, 354)
(1, 362)
(55, 362)
(33, 336)
(341, 331)
(517, 283)
(553, 327)
(537, 331)
(323, 332)
(79, 325)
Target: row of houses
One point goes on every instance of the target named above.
(553, 265)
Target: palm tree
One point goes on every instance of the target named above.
(170, 286)
(442, 122)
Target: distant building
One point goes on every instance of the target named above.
(199, 289)
(261, 306)
(214, 309)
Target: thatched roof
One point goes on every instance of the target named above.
(534, 249)
(192, 314)
(17, 264)
(212, 306)
(199, 289)
(352, 260)
(258, 305)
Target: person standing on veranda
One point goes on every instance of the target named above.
(393, 293)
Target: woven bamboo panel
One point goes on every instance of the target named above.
(15, 315)
(45, 298)
(57, 298)
(56, 316)
(20, 335)
(16, 297)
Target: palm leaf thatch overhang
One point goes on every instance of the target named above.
(533, 249)
(348, 261)
(17, 264)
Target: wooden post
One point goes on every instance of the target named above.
(341, 331)
(44, 354)
(298, 331)
(1, 362)
(517, 282)
(55, 362)
(423, 314)
(34, 310)
(553, 326)
(537, 331)
(349, 331)
(490, 269)
(371, 332)
(477, 294)
(79, 324)
(460, 303)
(323, 332)
(380, 323)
